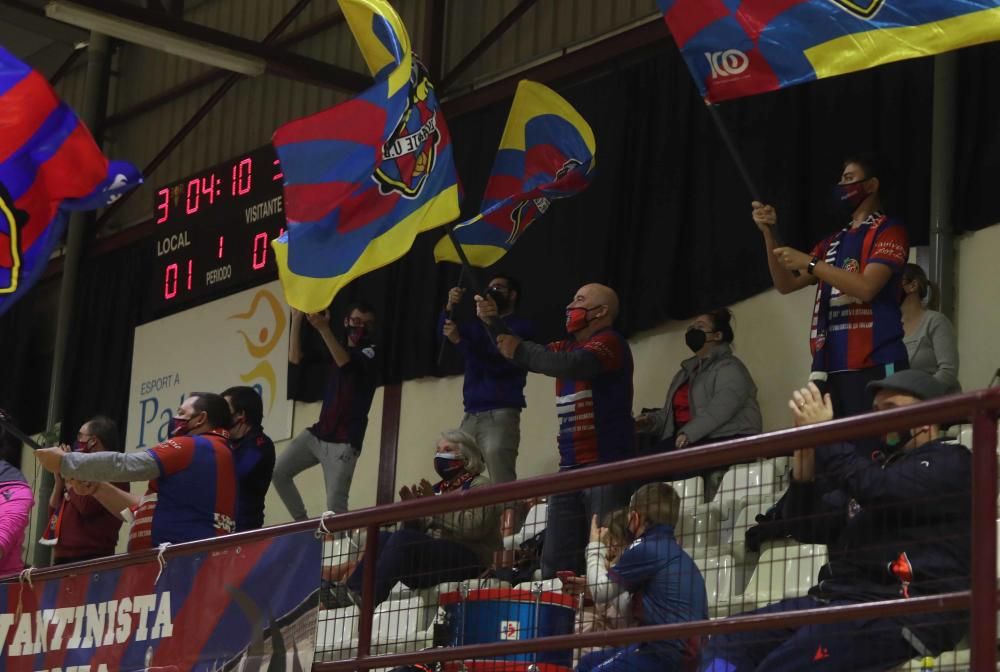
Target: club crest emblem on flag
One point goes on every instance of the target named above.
(546, 153)
(409, 155)
(11, 222)
(865, 9)
(526, 211)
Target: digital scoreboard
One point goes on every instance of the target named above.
(213, 231)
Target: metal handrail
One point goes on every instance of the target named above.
(981, 406)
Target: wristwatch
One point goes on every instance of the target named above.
(812, 265)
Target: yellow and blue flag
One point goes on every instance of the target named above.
(736, 49)
(49, 165)
(363, 178)
(546, 152)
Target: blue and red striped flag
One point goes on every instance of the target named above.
(546, 152)
(363, 178)
(49, 164)
(736, 49)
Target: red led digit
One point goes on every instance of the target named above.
(245, 175)
(190, 272)
(221, 241)
(277, 172)
(208, 188)
(259, 250)
(232, 183)
(164, 206)
(170, 283)
(195, 186)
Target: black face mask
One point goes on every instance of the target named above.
(848, 197)
(499, 297)
(695, 339)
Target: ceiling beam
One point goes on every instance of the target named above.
(277, 62)
(214, 75)
(505, 24)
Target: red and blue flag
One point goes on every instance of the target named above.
(49, 165)
(246, 607)
(363, 178)
(546, 152)
(739, 48)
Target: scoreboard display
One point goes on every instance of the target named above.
(213, 231)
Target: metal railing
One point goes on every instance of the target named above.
(981, 408)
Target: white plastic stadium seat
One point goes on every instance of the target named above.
(743, 483)
(397, 623)
(718, 575)
(784, 570)
(337, 631)
(534, 523)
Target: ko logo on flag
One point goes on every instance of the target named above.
(727, 63)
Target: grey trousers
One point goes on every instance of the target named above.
(338, 461)
(498, 433)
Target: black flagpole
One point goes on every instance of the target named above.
(496, 325)
(449, 315)
(8, 426)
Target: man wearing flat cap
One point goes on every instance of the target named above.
(896, 526)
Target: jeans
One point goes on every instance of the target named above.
(632, 658)
(498, 433)
(567, 525)
(419, 561)
(852, 646)
(305, 451)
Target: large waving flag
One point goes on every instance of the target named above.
(738, 49)
(546, 152)
(363, 178)
(49, 164)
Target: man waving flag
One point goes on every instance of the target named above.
(49, 165)
(363, 178)
(546, 152)
(736, 49)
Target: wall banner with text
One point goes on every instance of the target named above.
(250, 607)
(238, 340)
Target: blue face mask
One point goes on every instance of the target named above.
(448, 465)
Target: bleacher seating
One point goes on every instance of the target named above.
(783, 570)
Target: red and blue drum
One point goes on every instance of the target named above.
(505, 614)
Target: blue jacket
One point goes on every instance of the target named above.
(491, 380)
(895, 527)
(666, 586)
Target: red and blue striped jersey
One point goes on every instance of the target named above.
(348, 398)
(194, 496)
(848, 334)
(595, 415)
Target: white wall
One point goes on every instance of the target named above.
(977, 302)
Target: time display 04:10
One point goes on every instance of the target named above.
(204, 190)
(214, 230)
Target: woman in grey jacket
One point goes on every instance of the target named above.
(712, 397)
(928, 335)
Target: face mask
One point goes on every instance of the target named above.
(499, 296)
(630, 534)
(448, 465)
(849, 196)
(896, 440)
(576, 319)
(355, 334)
(179, 426)
(695, 339)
